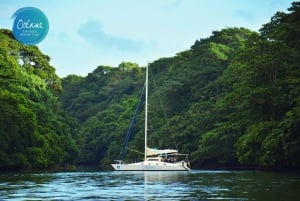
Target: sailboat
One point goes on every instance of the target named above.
(154, 159)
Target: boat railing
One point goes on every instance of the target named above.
(174, 158)
(119, 162)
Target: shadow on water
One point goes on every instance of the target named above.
(193, 185)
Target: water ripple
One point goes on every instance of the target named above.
(194, 185)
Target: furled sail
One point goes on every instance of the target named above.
(156, 152)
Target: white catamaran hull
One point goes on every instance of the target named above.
(141, 166)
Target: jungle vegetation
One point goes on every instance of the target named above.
(231, 100)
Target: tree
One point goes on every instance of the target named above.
(33, 132)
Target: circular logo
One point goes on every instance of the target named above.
(30, 25)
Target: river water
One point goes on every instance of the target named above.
(109, 185)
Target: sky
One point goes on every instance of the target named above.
(84, 34)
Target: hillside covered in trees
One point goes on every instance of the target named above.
(34, 130)
(232, 99)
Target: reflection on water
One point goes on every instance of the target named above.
(194, 185)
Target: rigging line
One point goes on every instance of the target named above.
(132, 123)
(164, 111)
(135, 151)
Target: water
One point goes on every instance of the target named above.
(193, 185)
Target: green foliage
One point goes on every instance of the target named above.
(104, 103)
(33, 131)
(231, 99)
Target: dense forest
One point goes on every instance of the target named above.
(34, 129)
(231, 100)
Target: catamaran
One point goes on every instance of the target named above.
(155, 159)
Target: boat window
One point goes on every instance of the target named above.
(153, 159)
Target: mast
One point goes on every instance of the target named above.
(146, 111)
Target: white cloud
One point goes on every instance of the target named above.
(92, 31)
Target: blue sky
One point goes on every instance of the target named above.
(85, 34)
